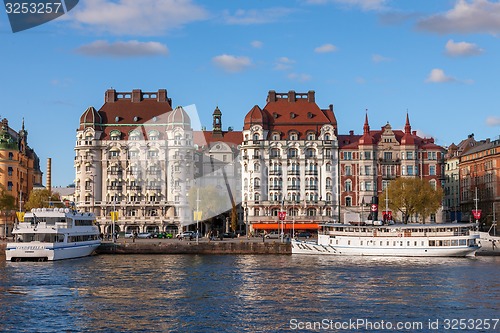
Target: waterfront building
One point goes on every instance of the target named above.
(480, 173)
(19, 169)
(125, 152)
(451, 203)
(289, 163)
(368, 162)
(139, 156)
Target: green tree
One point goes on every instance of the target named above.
(413, 196)
(43, 199)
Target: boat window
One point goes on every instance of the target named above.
(361, 243)
(408, 243)
(387, 243)
(415, 243)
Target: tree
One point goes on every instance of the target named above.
(43, 199)
(7, 205)
(413, 196)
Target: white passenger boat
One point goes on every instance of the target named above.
(405, 240)
(490, 244)
(53, 234)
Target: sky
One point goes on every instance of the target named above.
(438, 61)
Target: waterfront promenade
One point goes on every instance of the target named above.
(242, 245)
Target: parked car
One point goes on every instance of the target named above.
(273, 235)
(186, 234)
(304, 234)
(228, 235)
(129, 235)
(145, 235)
(163, 235)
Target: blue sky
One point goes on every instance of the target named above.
(438, 60)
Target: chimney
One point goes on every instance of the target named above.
(110, 96)
(351, 132)
(271, 96)
(310, 96)
(414, 133)
(330, 107)
(291, 96)
(49, 175)
(162, 95)
(136, 95)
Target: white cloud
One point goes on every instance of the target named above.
(325, 48)
(438, 76)
(257, 44)
(136, 17)
(131, 48)
(462, 49)
(299, 77)
(493, 121)
(379, 58)
(231, 63)
(476, 16)
(283, 64)
(363, 4)
(254, 16)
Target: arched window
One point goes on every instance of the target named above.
(348, 186)
(256, 212)
(256, 136)
(310, 152)
(294, 136)
(153, 135)
(115, 135)
(311, 136)
(134, 135)
(327, 136)
(348, 201)
(311, 212)
(293, 153)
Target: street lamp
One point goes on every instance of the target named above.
(246, 220)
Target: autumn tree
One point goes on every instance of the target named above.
(412, 196)
(43, 199)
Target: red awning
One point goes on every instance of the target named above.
(276, 226)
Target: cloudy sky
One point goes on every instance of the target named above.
(436, 60)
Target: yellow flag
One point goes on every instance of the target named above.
(114, 216)
(20, 216)
(197, 215)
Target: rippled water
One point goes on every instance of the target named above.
(244, 293)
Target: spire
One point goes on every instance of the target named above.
(217, 121)
(366, 127)
(407, 125)
(23, 125)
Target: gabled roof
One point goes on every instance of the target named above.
(232, 138)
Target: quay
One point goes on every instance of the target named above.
(175, 246)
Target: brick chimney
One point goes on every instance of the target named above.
(162, 95)
(291, 96)
(271, 96)
(110, 96)
(136, 95)
(310, 96)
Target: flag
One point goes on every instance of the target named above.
(20, 216)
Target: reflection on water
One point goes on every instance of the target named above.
(239, 293)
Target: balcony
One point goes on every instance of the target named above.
(274, 172)
(275, 187)
(312, 187)
(134, 188)
(115, 187)
(153, 188)
(293, 172)
(311, 172)
(293, 187)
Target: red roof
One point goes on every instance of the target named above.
(203, 138)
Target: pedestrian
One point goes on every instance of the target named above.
(263, 237)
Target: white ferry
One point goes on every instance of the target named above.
(490, 244)
(404, 240)
(53, 234)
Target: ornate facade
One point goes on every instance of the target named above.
(289, 163)
(19, 167)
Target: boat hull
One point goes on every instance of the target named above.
(489, 243)
(300, 247)
(49, 251)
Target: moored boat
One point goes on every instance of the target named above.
(405, 240)
(48, 234)
(490, 244)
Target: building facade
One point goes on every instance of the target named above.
(289, 163)
(370, 161)
(480, 180)
(19, 169)
(139, 156)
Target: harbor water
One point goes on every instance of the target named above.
(250, 293)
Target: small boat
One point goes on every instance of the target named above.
(402, 240)
(48, 234)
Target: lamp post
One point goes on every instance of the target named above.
(197, 213)
(246, 219)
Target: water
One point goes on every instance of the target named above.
(244, 293)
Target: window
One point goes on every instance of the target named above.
(348, 186)
(328, 167)
(294, 136)
(11, 156)
(276, 136)
(368, 155)
(153, 153)
(133, 154)
(256, 136)
(134, 135)
(9, 186)
(431, 155)
(367, 170)
(311, 152)
(311, 212)
(409, 169)
(311, 136)
(154, 135)
(10, 170)
(348, 201)
(293, 152)
(347, 155)
(114, 153)
(409, 155)
(368, 186)
(387, 155)
(348, 170)
(275, 152)
(432, 170)
(115, 135)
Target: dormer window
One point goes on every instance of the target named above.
(135, 135)
(294, 136)
(115, 135)
(154, 135)
(311, 136)
(276, 136)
